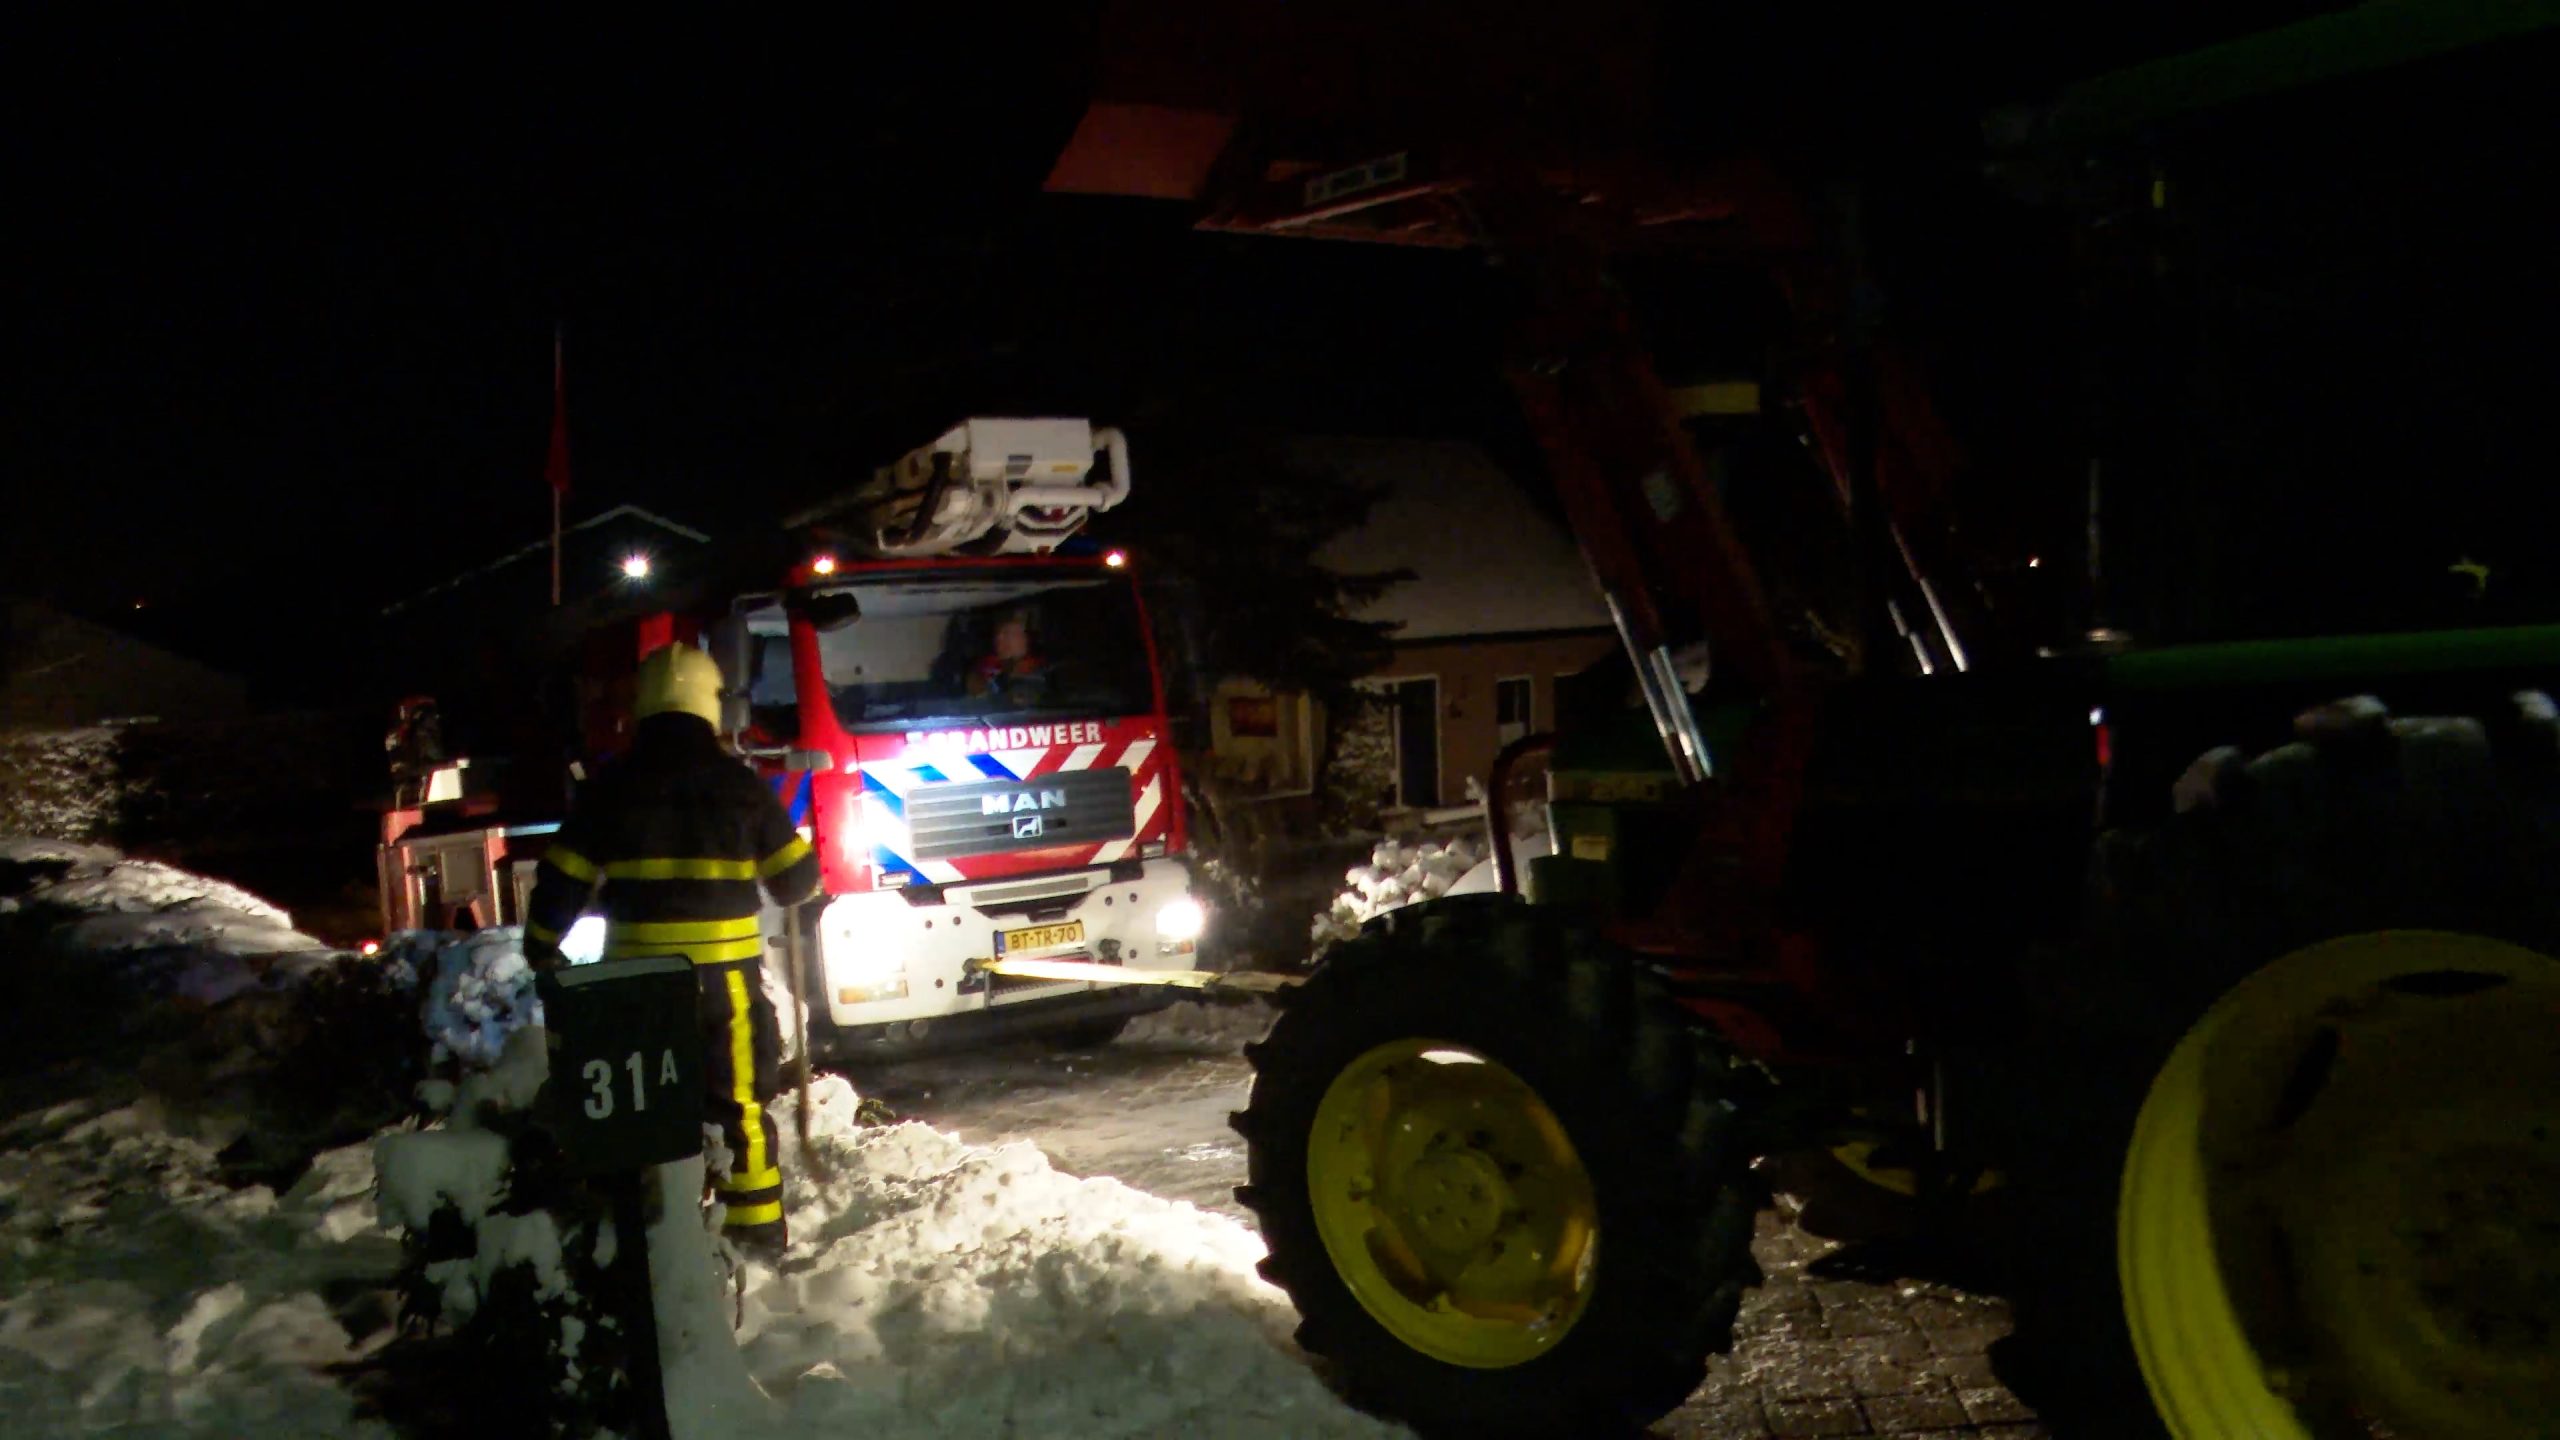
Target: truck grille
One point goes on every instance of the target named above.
(1072, 807)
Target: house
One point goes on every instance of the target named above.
(59, 671)
(1501, 605)
(612, 550)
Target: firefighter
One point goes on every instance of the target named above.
(1011, 671)
(671, 841)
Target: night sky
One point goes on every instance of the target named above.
(309, 312)
(290, 294)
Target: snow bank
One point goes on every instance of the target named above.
(939, 1288)
(141, 1294)
(97, 880)
(187, 934)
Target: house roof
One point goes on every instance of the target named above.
(58, 668)
(1486, 559)
(618, 524)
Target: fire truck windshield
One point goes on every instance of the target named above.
(960, 648)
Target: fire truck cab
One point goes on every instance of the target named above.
(958, 701)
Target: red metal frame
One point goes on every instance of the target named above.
(1633, 487)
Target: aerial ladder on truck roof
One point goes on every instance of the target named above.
(988, 486)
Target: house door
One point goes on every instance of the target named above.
(1416, 704)
(1513, 700)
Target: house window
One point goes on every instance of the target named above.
(1514, 706)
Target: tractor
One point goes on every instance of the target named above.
(1986, 796)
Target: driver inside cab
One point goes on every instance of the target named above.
(1011, 671)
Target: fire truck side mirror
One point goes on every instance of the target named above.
(827, 610)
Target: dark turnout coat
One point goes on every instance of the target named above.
(672, 844)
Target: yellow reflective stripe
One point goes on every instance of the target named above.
(782, 859)
(716, 952)
(543, 933)
(678, 869)
(681, 932)
(764, 1214)
(742, 1081)
(764, 1179)
(570, 863)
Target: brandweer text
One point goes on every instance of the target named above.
(1019, 737)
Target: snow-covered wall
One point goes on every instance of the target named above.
(61, 784)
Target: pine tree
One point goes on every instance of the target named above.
(1227, 530)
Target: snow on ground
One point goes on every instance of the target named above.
(932, 1287)
(141, 1295)
(1191, 1025)
(142, 1292)
(939, 1288)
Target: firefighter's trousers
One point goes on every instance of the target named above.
(742, 1050)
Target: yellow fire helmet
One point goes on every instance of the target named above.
(680, 678)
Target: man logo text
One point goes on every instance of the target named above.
(1027, 800)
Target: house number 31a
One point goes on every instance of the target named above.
(599, 1077)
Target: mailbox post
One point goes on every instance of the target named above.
(624, 1096)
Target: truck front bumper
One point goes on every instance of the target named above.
(966, 1029)
(887, 960)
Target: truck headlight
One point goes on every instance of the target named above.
(861, 956)
(1183, 919)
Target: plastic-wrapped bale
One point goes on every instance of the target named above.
(1399, 873)
(481, 990)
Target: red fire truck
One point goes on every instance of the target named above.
(957, 698)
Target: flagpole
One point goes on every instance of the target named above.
(557, 479)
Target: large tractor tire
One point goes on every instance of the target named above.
(1498, 1171)
(2299, 1105)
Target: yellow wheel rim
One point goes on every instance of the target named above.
(1452, 1204)
(2336, 1213)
